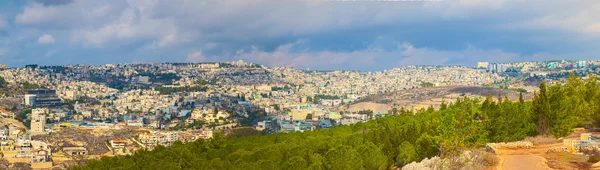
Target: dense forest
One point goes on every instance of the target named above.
(389, 141)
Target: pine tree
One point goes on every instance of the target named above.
(521, 100)
(592, 96)
(541, 110)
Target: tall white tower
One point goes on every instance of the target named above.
(38, 121)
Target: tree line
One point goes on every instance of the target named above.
(389, 141)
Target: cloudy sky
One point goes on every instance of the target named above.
(316, 34)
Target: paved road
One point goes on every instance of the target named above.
(526, 162)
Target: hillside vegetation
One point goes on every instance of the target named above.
(386, 142)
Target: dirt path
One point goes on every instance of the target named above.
(535, 158)
(527, 162)
(523, 158)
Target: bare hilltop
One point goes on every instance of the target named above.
(430, 96)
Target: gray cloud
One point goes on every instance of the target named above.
(53, 2)
(236, 20)
(196, 57)
(337, 33)
(403, 54)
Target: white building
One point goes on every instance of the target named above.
(154, 138)
(71, 95)
(38, 120)
(87, 113)
(482, 64)
(118, 143)
(30, 99)
(40, 152)
(262, 125)
(144, 79)
(582, 64)
(4, 133)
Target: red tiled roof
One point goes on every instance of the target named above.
(148, 134)
(118, 140)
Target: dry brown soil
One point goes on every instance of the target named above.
(537, 158)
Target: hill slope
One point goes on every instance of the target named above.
(415, 99)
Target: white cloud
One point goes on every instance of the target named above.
(425, 56)
(196, 57)
(39, 14)
(46, 39)
(174, 21)
(134, 23)
(571, 16)
(71, 16)
(169, 22)
(284, 56)
(404, 54)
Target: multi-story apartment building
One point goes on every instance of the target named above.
(151, 139)
(4, 133)
(38, 120)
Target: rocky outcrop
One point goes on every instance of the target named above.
(491, 147)
(557, 149)
(467, 161)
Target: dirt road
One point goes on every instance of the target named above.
(536, 157)
(523, 158)
(528, 162)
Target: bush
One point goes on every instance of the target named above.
(479, 159)
(594, 158)
(490, 159)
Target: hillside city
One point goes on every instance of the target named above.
(59, 116)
